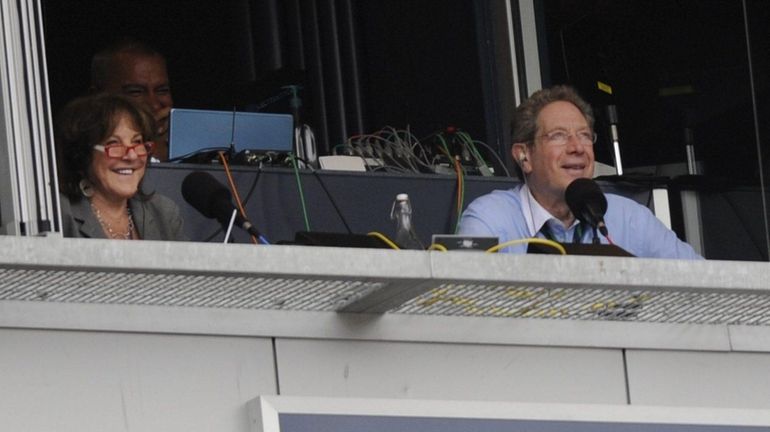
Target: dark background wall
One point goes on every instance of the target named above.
(367, 64)
(363, 65)
(697, 65)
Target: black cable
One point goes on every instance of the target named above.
(328, 194)
(245, 201)
(744, 224)
(331, 200)
(199, 152)
(649, 197)
(214, 234)
(253, 186)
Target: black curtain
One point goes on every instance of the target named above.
(314, 44)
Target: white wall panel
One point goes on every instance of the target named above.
(449, 371)
(89, 381)
(691, 378)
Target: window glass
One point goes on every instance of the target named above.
(683, 73)
(678, 71)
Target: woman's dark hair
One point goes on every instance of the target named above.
(86, 122)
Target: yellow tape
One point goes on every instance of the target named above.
(604, 87)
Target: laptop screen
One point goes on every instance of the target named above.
(192, 131)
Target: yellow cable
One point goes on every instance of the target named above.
(438, 247)
(551, 243)
(384, 239)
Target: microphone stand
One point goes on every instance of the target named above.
(231, 151)
(291, 91)
(295, 102)
(612, 117)
(595, 239)
(229, 228)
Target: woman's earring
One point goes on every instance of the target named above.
(86, 188)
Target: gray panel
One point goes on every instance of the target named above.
(364, 200)
(393, 327)
(77, 381)
(749, 338)
(449, 371)
(269, 412)
(350, 423)
(729, 380)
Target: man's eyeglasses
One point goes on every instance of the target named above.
(118, 151)
(560, 137)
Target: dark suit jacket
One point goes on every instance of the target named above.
(156, 218)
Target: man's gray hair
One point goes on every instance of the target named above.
(524, 125)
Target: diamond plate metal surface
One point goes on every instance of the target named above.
(661, 306)
(375, 281)
(240, 292)
(324, 294)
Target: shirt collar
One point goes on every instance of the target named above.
(535, 214)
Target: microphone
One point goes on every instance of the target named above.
(213, 200)
(587, 203)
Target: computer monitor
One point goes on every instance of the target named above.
(193, 131)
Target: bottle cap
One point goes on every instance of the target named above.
(402, 197)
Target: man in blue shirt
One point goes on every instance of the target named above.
(553, 140)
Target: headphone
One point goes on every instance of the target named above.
(522, 157)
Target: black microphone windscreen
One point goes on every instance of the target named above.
(586, 201)
(202, 191)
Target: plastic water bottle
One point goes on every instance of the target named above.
(406, 237)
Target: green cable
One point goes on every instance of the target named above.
(461, 202)
(467, 138)
(443, 143)
(462, 184)
(299, 187)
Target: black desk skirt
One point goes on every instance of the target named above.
(364, 200)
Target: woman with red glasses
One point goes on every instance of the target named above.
(103, 144)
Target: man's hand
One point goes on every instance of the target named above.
(162, 120)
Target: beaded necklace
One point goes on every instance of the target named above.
(128, 235)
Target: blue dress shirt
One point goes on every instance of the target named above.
(515, 214)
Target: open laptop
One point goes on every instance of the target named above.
(195, 131)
